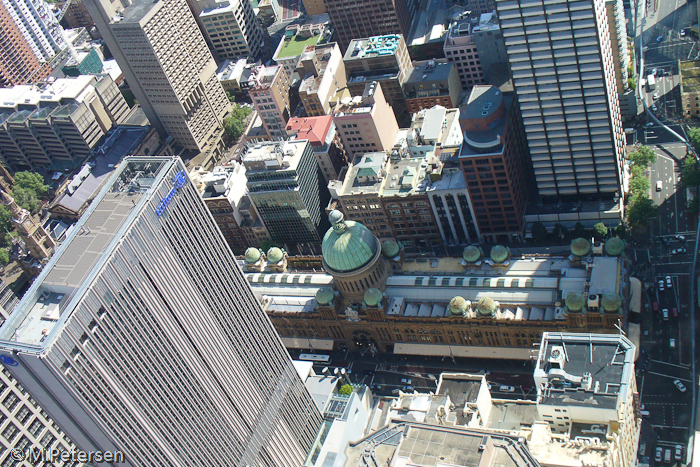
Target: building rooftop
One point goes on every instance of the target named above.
(314, 129)
(49, 93)
(365, 174)
(293, 46)
(416, 444)
(372, 47)
(137, 11)
(584, 370)
(429, 25)
(262, 77)
(88, 181)
(439, 126)
(296, 37)
(490, 140)
(230, 70)
(52, 297)
(429, 71)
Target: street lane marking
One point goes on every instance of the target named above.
(672, 364)
(668, 376)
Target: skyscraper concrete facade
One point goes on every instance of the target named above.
(132, 342)
(561, 62)
(168, 67)
(18, 64)
(38, 25)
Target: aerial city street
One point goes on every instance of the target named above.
(331, 233)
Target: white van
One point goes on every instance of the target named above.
(659, 185)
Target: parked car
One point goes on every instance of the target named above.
(672, 343)
(655, 96)
(669, 282)
(684, 32)
(667, 455)
(679, 452)
(654, 108)
(678, 251)
(659, 185)
(659, 453)
(681, 387)
(664, 313)
(649, 125)
(675, 312)
(406, 380)
(680, 238)
(506, 389)
(661, 285)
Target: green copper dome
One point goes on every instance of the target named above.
(373, 297)
(252, 255)
(574, 301)
(580, 247)
(457, 306)
(324, 295)
(347, 245)
(274, 255)
(472, 254)
(611, 302)
(390, 248)
(614, 246)
(500, 253)
(486, 306)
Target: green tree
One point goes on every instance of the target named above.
(643, 157)
(690, 173)
(4, 256)
(600, 231)
(31, 181)
(639, 186)
(26, 199)
(621, 230)
(234, 124)
(694, 138)
(640, 209)
(346, 389)
(539, 231)
(560, 231)
(579, 231)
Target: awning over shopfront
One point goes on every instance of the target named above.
(304, 343)
(464, 351)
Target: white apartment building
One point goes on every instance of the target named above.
(563, 74)
(39, 26)
(133, 342)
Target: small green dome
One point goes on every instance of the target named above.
(347, 245)
(324, 295)
(274, 255)
(574, 301)
(472, 254)
(457, 306)
(500, 253)
(580, 247)
(252, 255)
(611, 302)
(373, 297)
(614, 246)
(390, 248)
(486, 306)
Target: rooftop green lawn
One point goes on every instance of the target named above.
(295, 46)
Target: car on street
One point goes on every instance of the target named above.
(672, 343)
(664, 313)
(680, 238)
(655, 306)
(674, 310)
(653, 107)
(655, 96)
(661, 285)
(681, 387)
(678, 251)
(649, 125)
(659, 185)
(653, 71)
(669, 283)
(506, 389)
(659, 453)
(406, 381)
(667, 455)
(684, 32)
(679, 452)
(659, 39)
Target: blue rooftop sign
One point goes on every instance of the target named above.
(179, 182)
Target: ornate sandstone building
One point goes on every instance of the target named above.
(369, 296)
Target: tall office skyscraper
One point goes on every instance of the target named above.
(563, 73)
(142, 335)
(167, 64)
